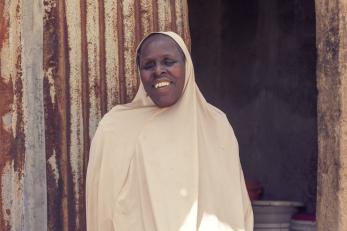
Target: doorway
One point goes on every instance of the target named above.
(256, 60)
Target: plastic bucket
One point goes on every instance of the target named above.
(272, 227)
(302, 225)
(274, 212)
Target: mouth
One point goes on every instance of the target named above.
(162, 84)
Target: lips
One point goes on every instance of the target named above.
(162, 83)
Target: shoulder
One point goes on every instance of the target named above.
(112, 119)
(108, 127)
(113, 136)
(222, 121)
(218, 113)
(122, 123)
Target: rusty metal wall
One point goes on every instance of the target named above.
(63, 65)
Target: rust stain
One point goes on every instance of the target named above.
(52, 139)
(145, 15)
(186, 30)
(155, 15)
(12, 145)
(102, 60)
(173, 25)
(179, 17)
(6, 142)
(88, 65)
(80, 216)
(18, 147)
(93, 94)
(74, 15)
(164, 14)
(121, 73)
(50, 47)
(56, 67)
(111, 53)
(137, 17)
(12, 137)
(3, 24)
(131, 79)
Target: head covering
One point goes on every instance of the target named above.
(172, 168)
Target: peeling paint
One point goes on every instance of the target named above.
(3, 24)
(52, 161)
(164, 12)
(49, 111)
(7, 121)
(179, 16)
(73, 19)
(11, 111)
(131, 79)
(94, 76)
(11, 195)
(49, 74)
(146, 12)
(112, 57)
(49, 5)
(34, 169)
(6, 182)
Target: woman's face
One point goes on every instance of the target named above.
(162, 69)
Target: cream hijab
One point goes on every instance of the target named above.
(173, 168)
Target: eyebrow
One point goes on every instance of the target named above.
(164, 56)
(139, 52)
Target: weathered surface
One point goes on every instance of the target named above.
(34, 180)
(332, 114)
(12, 136)
(63, 65)
(22, 160)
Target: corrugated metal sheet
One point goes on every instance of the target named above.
(53, 91)
(12, 142)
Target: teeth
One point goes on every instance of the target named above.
(162, 84)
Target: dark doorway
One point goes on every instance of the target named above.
(256, 60)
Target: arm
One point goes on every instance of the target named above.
(99, 217)
(94, 219)
(108, 167)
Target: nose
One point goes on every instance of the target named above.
(159, 69)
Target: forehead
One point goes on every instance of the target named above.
(159, 44)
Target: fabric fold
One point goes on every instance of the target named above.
(166, 169)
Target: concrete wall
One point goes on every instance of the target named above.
(256, 61)
(332, 114)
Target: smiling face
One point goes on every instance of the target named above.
(162, 69)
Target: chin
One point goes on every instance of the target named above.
(165, 103)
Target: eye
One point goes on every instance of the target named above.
(148, 65)
(169, 62)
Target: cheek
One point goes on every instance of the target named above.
(180, 75)
(145, 78)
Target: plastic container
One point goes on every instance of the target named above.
(274, 212)
(271, 227)
(303, 222)
(303, 225)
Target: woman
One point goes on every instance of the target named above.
(168, 160)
